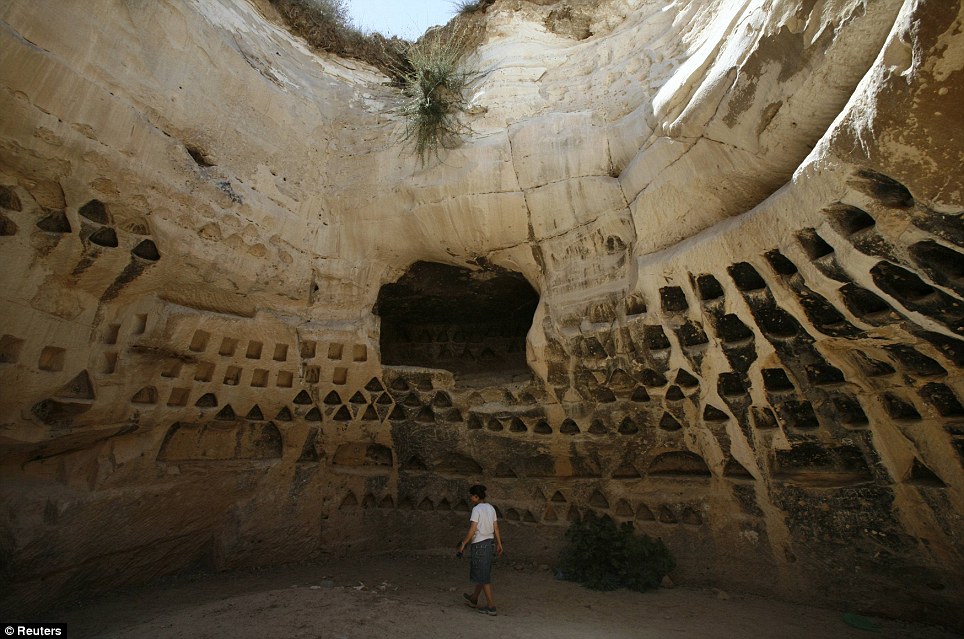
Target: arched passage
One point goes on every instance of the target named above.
(470, 322)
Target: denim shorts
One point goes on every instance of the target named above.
(482, 557)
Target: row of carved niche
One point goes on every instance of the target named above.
(797, 413)
(307, 348)
(52, 358)
(192, 441)
(775, 379)
(937, 260)
(204, 371)
(97, 226)
(930, 256)
(663, 513)
(409, 409)
(306, 410)
(179, 397)
(668, 463)
(763, 417)
(200, 442)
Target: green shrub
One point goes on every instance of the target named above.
(603, 556)
(434, 92)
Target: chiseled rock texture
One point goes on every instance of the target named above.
(699, 267)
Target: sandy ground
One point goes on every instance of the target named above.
(419, 596)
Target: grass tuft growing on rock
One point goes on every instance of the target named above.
(430, 72)
(464, 7)
(435, 89)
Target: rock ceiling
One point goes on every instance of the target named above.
(698, 267)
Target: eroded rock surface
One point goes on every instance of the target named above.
(698, 268)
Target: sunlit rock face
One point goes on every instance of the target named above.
(699, 268)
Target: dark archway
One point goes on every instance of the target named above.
(470, 322)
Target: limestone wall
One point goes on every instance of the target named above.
(741, 220)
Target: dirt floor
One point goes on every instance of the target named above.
(419, 596)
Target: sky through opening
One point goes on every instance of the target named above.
(408, 19)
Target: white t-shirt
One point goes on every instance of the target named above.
(484, 516)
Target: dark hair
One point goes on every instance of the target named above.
(478, 490)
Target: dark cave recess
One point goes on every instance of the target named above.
(469, 322)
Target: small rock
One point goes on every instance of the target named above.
(666, 582)
(721, 594)
(544, 567)
(327, 583)
(316, 587)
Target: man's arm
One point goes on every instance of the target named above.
(498, 539)
(469, 536)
